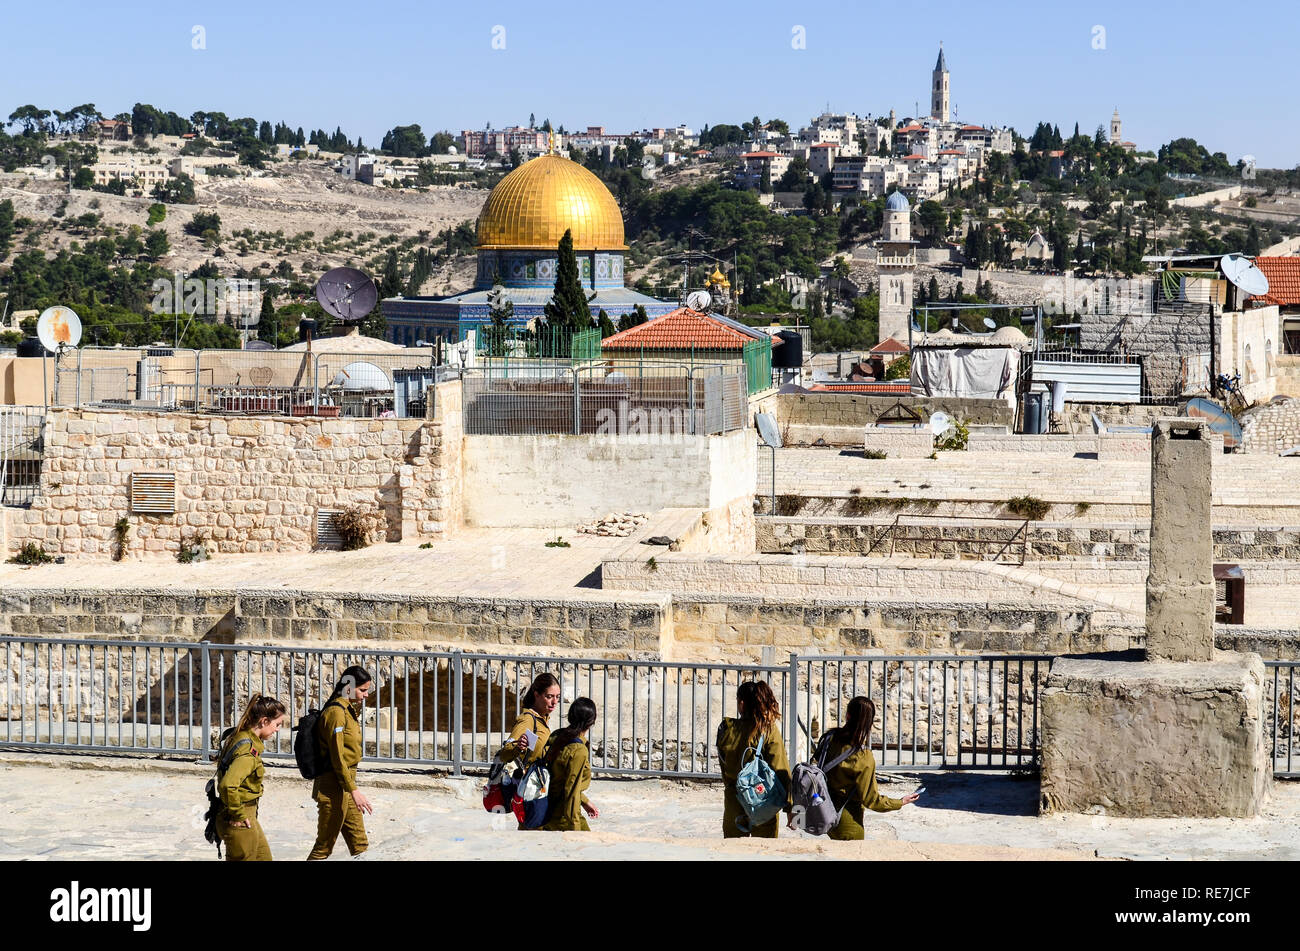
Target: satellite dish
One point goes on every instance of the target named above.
(1220, 420)
(362, 376)
(1242, 272)
(259, 345)
(346, 293)
(616, 378)
(990, 323)
(939, 423)
(58, 328)
(767, 431)
(699, 300)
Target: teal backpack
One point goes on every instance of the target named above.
(759, 791)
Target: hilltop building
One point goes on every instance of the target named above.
(519, 231)
(939, 104)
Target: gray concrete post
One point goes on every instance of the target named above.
(1180, 580)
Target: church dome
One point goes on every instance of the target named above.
(897, 202)
(535, 204)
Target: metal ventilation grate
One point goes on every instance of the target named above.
(153, 493)
(327, 536)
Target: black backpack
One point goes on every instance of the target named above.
(306, 745)
(215, 805)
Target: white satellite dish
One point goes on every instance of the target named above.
(1241, 271)
(990, 323)
(58, 328)
(939, 423)
(699, 300)
(362, 376)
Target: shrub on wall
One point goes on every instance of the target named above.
(355, 525)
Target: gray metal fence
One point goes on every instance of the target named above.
(611, 397)
(21, 449)
(454, 709)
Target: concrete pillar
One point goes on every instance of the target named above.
(1180, 581)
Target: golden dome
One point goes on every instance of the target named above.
(534, 205)
(717, 277)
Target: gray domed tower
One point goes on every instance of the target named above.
(896, 260)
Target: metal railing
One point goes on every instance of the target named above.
(453, 710)
(926, 539)
(21, 452)
(609, 397)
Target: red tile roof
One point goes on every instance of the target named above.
(973, 128)
(914, 155)
(1283, 281)
(681, 329)
(826, 145)
(953, 152)
(1056, 153)
(889, 345)
(902, 389)
(911, 128)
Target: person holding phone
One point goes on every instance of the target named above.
(758, 715)
(239, 782)
(339, 803)
(569, 760)
(852, 784)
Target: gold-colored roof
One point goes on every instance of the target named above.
(717, 277)
(534, 205)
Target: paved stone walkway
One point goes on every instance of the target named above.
(59, 808)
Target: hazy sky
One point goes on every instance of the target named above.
(1218, 72)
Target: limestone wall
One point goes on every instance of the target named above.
(246, 484)
(839, 418)
(545, 480)
(1272, 429)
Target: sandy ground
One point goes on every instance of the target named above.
(61, 807)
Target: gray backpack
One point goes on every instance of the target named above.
(812, 809)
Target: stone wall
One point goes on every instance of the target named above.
(546, 480)
(840, 418)
(245, 484)
(953, 538)
(1271, 429)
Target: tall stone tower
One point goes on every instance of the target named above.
(939, 89)
(1116, 128)
(896, 260)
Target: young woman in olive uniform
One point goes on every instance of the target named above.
(759, 714)
(852, 784)
(339, 803)
(538, 705)
(570, 764)
(240, 786)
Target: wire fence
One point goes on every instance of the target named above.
(21, 451)
(607, 397)
(454, 710)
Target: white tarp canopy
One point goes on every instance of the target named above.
(971, 372)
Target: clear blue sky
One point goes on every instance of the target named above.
(1218, 72)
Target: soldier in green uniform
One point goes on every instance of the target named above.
(239, 786)
(759, 713)
(568, 758)
(539, 703)
(852, 784)
(339, 802)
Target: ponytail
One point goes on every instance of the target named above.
(582, 715)
(259, 708)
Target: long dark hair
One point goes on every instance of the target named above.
(582, 714)
(354, 676)
(858, 719)
(761, 708)
(259, 707)
(541, 683)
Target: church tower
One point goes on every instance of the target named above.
(895, 262)
(939, 89)
(1116, 127)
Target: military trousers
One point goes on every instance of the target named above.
(244, 845)
(336, 812)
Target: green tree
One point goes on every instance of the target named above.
(204, 222)
(404, 140)
(390, 281)
(6, 226)
(568, 308)
(606, 325)
(156, 244)
(84, 179)
(933, 218)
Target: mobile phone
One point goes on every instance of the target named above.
(919, 791)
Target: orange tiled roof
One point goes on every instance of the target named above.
(826, 145)
(891, 388)
(914, 155)
(912, 128)
(680, 329)
(973, 128)
(1283, 281)
(889, 345)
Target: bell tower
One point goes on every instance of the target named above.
(939, 89)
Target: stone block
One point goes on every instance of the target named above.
(1154, 738)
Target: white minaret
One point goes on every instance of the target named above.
(1116, 133)
(939, 89)
(896, 259)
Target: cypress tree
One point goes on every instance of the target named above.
(568, 308)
